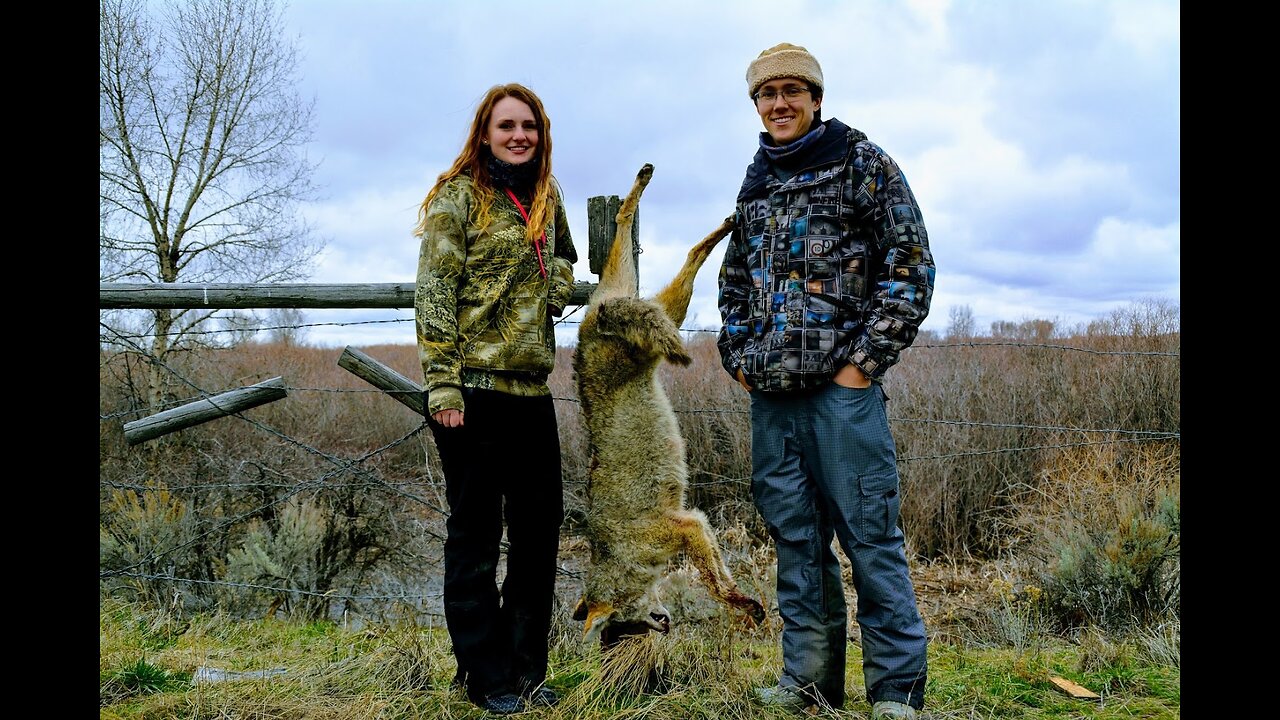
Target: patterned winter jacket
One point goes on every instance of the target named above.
(829, 267)
(483, 309)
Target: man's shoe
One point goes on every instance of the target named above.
(544, 696)
(890, 710)
(501, 703)
(784, 697)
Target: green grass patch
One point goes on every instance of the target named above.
(401, 671)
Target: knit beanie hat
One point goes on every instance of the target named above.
(783, 60)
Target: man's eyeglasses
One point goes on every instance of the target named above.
(789, 93)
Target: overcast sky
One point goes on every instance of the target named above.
(1041, 137)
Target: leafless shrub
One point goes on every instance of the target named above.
(239, 484)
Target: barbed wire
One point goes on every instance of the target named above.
(295, 326)
(565, 320)
(263, 328)
(712, 411)
(1151, 436)
(1050, 346)
(328, 594)
(136, 487)
(342, 465)
(1026, 448)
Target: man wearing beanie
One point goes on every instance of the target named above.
(825, 281)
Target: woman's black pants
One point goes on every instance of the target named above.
(503, 464)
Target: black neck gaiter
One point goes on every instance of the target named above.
(520, 178)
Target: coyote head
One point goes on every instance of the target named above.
(607, 624)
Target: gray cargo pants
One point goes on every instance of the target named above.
(824, 462)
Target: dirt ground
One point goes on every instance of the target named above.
(955, 598)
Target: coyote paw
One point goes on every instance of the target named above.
(753, 609)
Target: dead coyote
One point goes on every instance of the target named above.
(636, 518)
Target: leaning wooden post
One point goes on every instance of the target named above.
(201, 411)
(404, 390)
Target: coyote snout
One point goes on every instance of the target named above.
(637, 519)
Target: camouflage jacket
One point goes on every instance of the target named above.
(483, 309)
(828, 267)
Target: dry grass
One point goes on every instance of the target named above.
(402, 671)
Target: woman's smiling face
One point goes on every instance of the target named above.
(512, 132)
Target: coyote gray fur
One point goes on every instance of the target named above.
(637, 519)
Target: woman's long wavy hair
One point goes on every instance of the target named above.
(473, 161)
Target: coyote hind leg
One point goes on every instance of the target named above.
(627, 213)
(675, 297)
(620, 277)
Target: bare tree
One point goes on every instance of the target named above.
(961, 323)
(202, 165)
